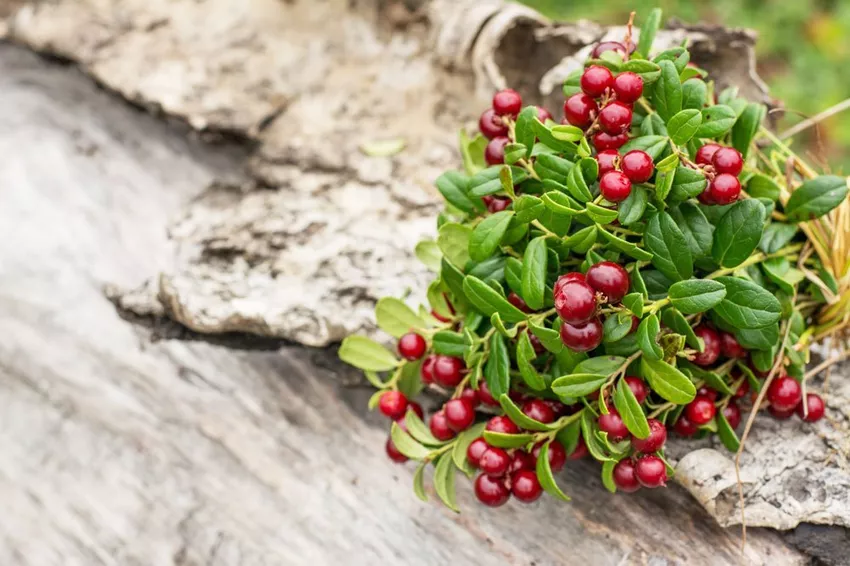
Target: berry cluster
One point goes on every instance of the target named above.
(722, 166)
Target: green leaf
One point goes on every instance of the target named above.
(489, 301)
(525, 354)
(600, 365)
(738, 233)
(647, 337)
(497, 369)
(544, 475)
(667, 92)
(654, 145)
(695, 227)
(667, 381)
(746, 127)
(518, 417)
(624, 246)
(631, 210)
(453, 279)
(428, 252)
(503, 440)
(486, 237)
(534, 273)
(444, 482)
(528, 208)
(696, 295)
(453, 240)
(396, 318)
(727, 433)
(513, 274)
(407, 445)
(524, 130)
(716, 121)
(674, 320)
(561, 203)
(759, 338)
(616, 328)
(491, 269)
(582, 240)
(366, 354)
(816, 197)
(630, 410)
(608, 476)
(419, 430)
(513, 153)
(663, 184)
(550, 339)
(762, 186)
(648, 30)
(419, 482)
(634, 302)
(679, 56)
(647, 70)
(687, 183)
(601, 214)
(579, 177)
(653, 125)
(694, 94)
(461, 444)
(684, 125)
(746, 305)
(485, 182)
(588, 432)
(669, 248)
(410, 382)
(472, 151)
(553, 167)
(578, 384)
(780, 272)
(449, 343)
(454, 188)
(776, 236)
(567, 133)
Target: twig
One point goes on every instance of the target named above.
(805, 124)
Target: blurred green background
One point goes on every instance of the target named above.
(803, 53)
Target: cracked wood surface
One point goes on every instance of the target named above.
(119, 450)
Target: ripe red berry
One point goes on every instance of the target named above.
(580, 450)
(624, 476)
(651, 471)
(724, 189)
(564, 279)
(426, 372)
(609, 279)
(492, 492)
(705, 196)
(638, 387)
(613, 424)
(494, 153)
(743, 389)
(448, 371)
(816, 408)
(705, 153)
(615, 186)
(474, 451)
(557, 455)
(615, 118)
(439, 426)
(637, 166)
(728, 160)
(604, 46)
(521, 460)
(635, 324)
(502, 424)
(582, 337)
(711, 350)
(543, 114)
(494, 461)
(628, 87)
(684, 427)
(733, 414)
(656, 439)
(558, 408)
(460, 414)
(575, 302)
(706, 391)
(491, 125)
(608, 160)
(603, 141)
(517, 301)
(507, 102)
(784, 393)
(393, 452)
(393, 404)
(579, 110)
(525, 486)
(700, 411)
(730, 347)
(470, 395)
(538, 410)
(596, 80)
(497, 204)
(416, 408)
(485, 396)
(779, 414)
(412, 346)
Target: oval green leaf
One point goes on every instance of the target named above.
(366, 354)
(696, 295)
(738, 233)
(667, 381)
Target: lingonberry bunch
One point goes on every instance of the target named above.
(634, 268)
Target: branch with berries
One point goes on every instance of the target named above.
(650, 262)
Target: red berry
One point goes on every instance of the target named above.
(635, 324)
(517, 301)
(582, 337)
(728, 160)
(743, 389)
(603, 141)
(492, 492)
(469, 394)
(580, 450)
(604, 46)
(491, 125)
(393, 452)
(651, 471)
(706, 391)
(497, 204)
(705, 153)
(656, 439)
(732, 414)
(780, 414)
(564, 279)
(485, 396)
(816, 408)
(494, 461)
(448, 371)
(460, 414)
(575, 302)
(503, 425)
(427, 370)
(393, 404)
(543, 114)
(609, 279)
(608, 160)
(700, 411)
(538, 346)
(538, 410)
(439, 426)
(521, 460)
(624, 476)
(416, 408)
(724, 189)
(711, 350)
(525, 486)
(412, 346)
(730, 347)
(638, 166)
(579, 109)
(638, 387)
(557, 455)
(616, 118)
(474, 451)
(615, 186)
(494, 153)
(628, 87)
(507, 102)
(558, 408)
(596, 80)
(684, 427)
(784, 393)
(613, 424)
(705, 196)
